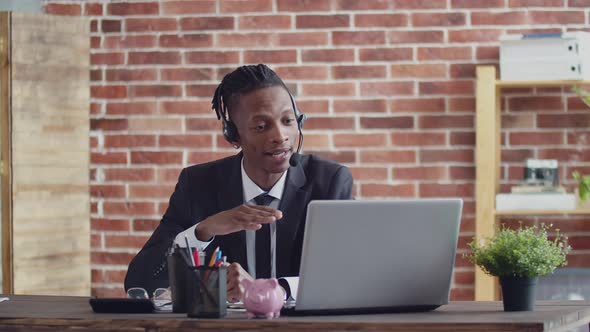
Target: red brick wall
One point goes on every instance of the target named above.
(388, 85)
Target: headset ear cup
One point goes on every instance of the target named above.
(230, 131)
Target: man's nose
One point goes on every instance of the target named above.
(279, 133)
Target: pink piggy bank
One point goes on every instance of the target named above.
(263, 297)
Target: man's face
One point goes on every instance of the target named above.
(267, 129)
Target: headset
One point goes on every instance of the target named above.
(230, 132)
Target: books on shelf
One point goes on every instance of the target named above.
(535, 201)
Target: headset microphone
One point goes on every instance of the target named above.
(296, 157)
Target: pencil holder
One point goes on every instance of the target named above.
(207, 292)
(178, 274)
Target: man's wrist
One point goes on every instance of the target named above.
(202, 234)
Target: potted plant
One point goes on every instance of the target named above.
(518, 257)
(583, 189)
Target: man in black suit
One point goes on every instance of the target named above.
(220, 203)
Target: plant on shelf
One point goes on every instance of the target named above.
(583, 94)
(583, 185)
(518, 257)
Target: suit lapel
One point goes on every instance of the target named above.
(292, 205)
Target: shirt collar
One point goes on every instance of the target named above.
(252, 190)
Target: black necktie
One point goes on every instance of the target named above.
(263, 241)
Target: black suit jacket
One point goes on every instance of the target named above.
(207, 189)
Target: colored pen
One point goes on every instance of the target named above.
(197, 258)
(213, 257)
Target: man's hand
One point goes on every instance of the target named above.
(235, 275)
(243, 217)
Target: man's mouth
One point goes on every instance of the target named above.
(279, 155)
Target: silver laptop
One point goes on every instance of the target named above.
(377, 256)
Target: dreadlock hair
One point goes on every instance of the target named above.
(243, 80)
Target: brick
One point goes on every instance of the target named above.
(107, 58)
(203, 157)
(110, 276)
(187, 74)
(188, 7)
(186, 40)
(140, 58)
(563, 120)
(578, 138)
(516, 155)
(63, 9)
(461, 104)
(418, 105)
(200, 90)
(328, 89)
(419, 4)
(96, 109)
(340, 156)
(303, 39)
(386, 88)
(185, 107)
(302, 72)
(108, 292)
(245, 6)
(487, 53)
(417, 139)
(369, 173)
(127, 108)
(477, 3)
(108, 158)
(186, 141)
(111, 258)
(578, 3)
(393, 122)
(444, 53)
(129, 174)
(96, 75)
(462, 70)
(108, 91)
(93, 146)
(462, 172)
(557, 17)
(131, 75)
(380, 20)
(317, 122)
(107, 26)
(274, 22)
(349, 72)
(499, 18)
(135, 8)
(199, 124)
(155, 124)
(156, 157)
(212, 57)
(313, 106)
(446, 190)
(93, 9)
(222, 143)
(412, 37)
(322, 21)
(510, 121)
(575, 104)
(109, 124)
(474, 35)
(103, 224)
(359, 140)
(95, 42)
(328, 55)
(118, 42)
(387, 190)
(272, 56)
(418, 71)
(438, 19)
(107, 190)
(388, 156)
(155, 90)
(533, 31)
(129, 141)
(207, 23)
(358, 37)
(317, 141)
(449, 88)
(385, 54)
(142, 225)
(536, 138)
(446, 156)
(150, 24)
(244, 40)
(462, 138)
(361, 5)
(419, 173)
(445, 121)
(360, 106)
(150, 191)
(303, 5)
(565, 155)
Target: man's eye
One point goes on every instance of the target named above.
(259, 127)
(289, 121)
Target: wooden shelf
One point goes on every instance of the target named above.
(540, 212)
(528, 84)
